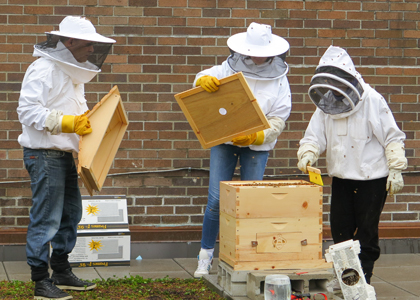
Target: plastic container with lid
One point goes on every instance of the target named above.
(277, 287)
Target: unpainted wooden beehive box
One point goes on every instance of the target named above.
(271, 225)
(218, 117)
(97, 150)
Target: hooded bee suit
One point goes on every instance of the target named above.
(364, 150)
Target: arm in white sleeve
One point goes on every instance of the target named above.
(384, 126)
(32, 109)
(278, 114)
(315, 132)
(313, 143)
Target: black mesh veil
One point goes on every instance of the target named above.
(273, 67)
(334, 91)
(96, 58)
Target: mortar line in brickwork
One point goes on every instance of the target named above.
(363, 66)
(197, 169)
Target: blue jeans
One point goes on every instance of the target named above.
(56, 205)
(223, 160)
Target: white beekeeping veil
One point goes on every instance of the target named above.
(77, 28)
(258, 41)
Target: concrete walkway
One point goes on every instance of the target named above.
(396, 276)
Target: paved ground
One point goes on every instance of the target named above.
(396, 276)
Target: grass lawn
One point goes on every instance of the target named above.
(137, 288)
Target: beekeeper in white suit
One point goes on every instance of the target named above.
(364, 151)
(52, 109)
(259, 55)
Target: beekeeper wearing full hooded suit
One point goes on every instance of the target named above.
(52, 109)
(364, 151)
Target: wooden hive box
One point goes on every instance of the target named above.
(271, 225)
(97, 150)
(217, 118)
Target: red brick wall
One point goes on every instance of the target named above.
(161, 45)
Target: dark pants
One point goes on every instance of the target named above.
(356, 207)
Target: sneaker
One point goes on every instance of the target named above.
(66, 280)
(204, 264)
(46, 290)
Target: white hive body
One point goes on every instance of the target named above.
(348, 269)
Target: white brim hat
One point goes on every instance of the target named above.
(80, 28)
(258, 41)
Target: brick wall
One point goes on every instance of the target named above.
(160, 47)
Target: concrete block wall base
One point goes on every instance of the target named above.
(251, 283)
(233, 282)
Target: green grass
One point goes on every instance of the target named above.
(134, 287)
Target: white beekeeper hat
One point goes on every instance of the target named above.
(258, 41)
(80, 28)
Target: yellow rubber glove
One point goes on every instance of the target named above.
(209, 83)
(250, 139)
(76, 124)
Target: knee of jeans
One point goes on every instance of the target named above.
(213, 209)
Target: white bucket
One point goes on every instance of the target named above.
(277, 287)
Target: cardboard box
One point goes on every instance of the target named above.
(104, 212)
(104, 248)
(97, 150)
(217, 118)
(103, 236)
(271, 225)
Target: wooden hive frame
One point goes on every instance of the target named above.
(97, 150)
(219, 117)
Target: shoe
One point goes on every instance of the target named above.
(204, 264)
(66, 280)
(46, 290)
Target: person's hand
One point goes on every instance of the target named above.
(395, 182)
(245, 140)
(209, 83)
(76, 124)
(307, 159)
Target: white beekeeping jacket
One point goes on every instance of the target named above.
(51, 85)
(355, 141)
(273, 96)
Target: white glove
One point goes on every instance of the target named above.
(307, 154)
(307, 159)
(395, 182)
